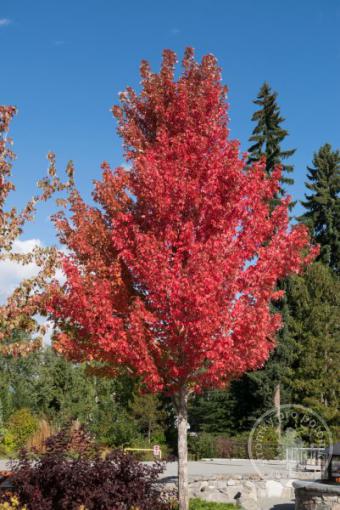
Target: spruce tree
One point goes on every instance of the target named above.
(259, 386)
(268, 135)
(314, 300)
(323, 204)
(278, 369)
(267, 139)
(231, 411)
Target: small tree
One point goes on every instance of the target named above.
(172, 273)
(145, 409)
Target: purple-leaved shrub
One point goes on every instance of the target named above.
(71, 474)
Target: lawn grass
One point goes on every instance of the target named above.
(200, 504)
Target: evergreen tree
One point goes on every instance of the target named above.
(226, 411)
(278, 369)
(260, 386)
(268, 136)
(314, 326)
(323, 204)
(58, 390)
(148, 415)
(267, 139)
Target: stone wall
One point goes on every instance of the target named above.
(246, 490)
(316, 496)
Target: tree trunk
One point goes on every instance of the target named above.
(182, 427)
(277, 405)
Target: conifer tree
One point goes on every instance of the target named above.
(322, 205)
(314, 300)
(259, 386)
(268, 136)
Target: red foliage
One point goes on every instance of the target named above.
(172, 273)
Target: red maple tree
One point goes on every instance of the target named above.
(172, 272)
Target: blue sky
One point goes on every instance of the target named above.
(64, 62)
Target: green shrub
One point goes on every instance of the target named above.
(207, 445)
(120, 433)
(201, 446)
(267, 436)
(8, 444)
(22, 424)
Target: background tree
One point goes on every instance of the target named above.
(314, 300)
(229, 411)
(58, 391)
(148, 415)
(277, 371)
(172, 273)
(322, 206)
(268, 136)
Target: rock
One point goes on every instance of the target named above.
(249, 504)
(274, 489)
(249, 485)
(217, 497)
(232, 482)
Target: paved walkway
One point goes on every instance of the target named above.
(276, 504)
(227, 467)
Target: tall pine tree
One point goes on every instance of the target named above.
(268, 135)
(322, 205)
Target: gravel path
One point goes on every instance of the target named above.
(276, 504)
(227, 467)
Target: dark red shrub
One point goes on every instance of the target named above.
(64, 478)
